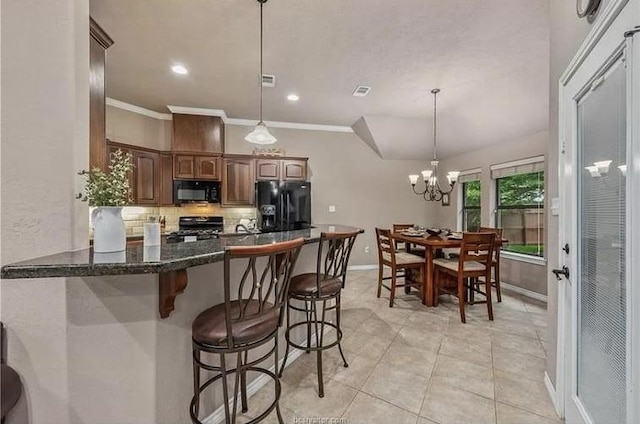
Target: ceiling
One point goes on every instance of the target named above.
(490, 58)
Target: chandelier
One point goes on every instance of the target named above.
(432, 190)
(260, 134)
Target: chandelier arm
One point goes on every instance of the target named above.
(419, 193)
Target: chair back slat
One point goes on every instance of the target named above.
(498, 233)
(476, 247)
(266, 281)
(385, 244)
(396, 229)
(334, 251)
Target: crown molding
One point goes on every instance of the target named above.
(290, 125)
(137, 109)
(198, 111)
(222, 114)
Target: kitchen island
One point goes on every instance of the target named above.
(169, 260)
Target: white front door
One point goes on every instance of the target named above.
(596, 311)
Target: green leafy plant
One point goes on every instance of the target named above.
(109, 188)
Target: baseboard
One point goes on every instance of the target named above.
(552, 393)
(361, 267)
(252, 388)
(524, 292)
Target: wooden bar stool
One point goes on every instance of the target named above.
(243, 322)
(325, 285)
(495, 264)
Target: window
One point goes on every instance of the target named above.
(520, 209)
(471, 206)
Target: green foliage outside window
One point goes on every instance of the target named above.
(521, 212)
(471, 195)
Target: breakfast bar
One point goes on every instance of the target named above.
(169, 260)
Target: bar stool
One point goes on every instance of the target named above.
(325, 285)
(249, 320)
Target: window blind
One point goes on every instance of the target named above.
(525, 166)
(470, 175)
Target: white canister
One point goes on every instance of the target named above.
(151, 234)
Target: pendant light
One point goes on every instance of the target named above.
(261, 134)
(432, 191)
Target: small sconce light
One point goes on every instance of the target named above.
(603, 167)
(623, 170)
(593, 170)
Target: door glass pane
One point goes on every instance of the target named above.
(602, 330)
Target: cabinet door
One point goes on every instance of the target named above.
(237, 182)
(198, 133)
(207, 167)
(267, 169)
(166, 180)
(184, 167)
(146, 178)
(294, 170)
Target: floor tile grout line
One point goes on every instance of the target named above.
(495, 389)
(371, 372)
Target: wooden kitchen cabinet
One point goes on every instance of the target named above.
(166, 179)
(207, 167)
(146, 177)
(237, 182)
(294, 170)
(198, 134)
(184, 167)
(190, 167)
(99, 41)
(267, 169)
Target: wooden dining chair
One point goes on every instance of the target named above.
(495, 264)
(475, 260)
(396, 260)
(400, 245)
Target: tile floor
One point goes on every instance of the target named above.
(417, 365)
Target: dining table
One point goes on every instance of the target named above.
(432, 244)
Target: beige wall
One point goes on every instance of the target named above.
(133, 128)
(518, 273)
(45, 102)
(566, 35)
(367, 191)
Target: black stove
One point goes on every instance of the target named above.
(194, 228)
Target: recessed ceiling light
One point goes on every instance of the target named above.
(179, 69)
(293, 97)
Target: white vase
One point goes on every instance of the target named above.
(109, 233)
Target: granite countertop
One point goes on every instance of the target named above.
(138, 259)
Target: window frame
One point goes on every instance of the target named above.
(526, 257)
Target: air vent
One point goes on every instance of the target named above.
(268, 80)
(361, 91)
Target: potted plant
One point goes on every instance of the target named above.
(108, 192)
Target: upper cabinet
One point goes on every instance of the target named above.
(196, 167)
(294, 170)
(198, 134)
(237, 181)
(99, 41)
(281, 169)
(267, 169)
(147, 177)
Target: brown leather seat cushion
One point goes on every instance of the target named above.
(306, 285)
(10, 390)
(210, 326)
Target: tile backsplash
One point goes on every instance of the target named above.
(136, 216)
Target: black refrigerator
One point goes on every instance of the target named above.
(283, 206)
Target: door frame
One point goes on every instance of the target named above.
(607, 21)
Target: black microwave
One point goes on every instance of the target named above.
(196, 192)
